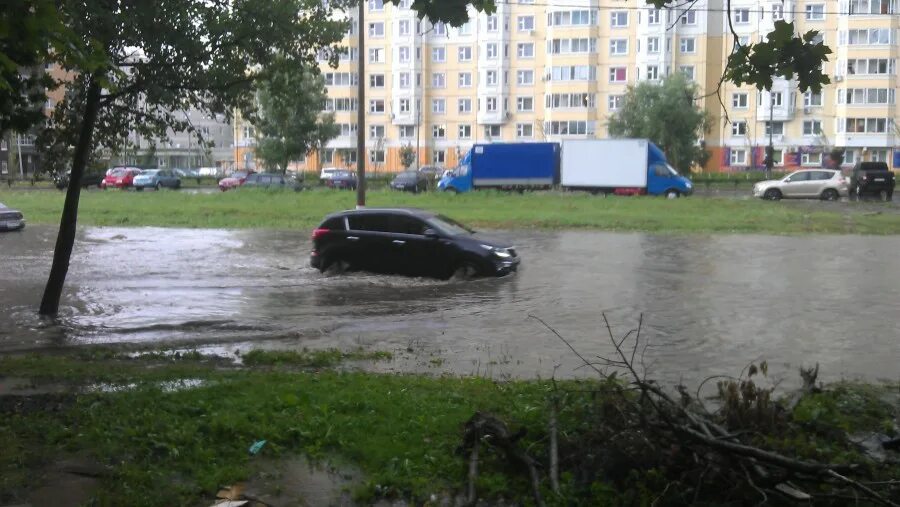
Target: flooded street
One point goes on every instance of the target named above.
(711, 304)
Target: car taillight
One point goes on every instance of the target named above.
(318, 233)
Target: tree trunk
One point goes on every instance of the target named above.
(65, 240)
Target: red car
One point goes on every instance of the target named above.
(235, 180)
(120, 177)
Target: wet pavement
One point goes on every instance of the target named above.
(711, 304)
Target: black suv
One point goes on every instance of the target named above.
(407, 241)
(872, 178)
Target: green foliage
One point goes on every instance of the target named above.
(496, 210)
(782, 54)
(407, 156)
(851, 407)
(289, 123)
(667, 115)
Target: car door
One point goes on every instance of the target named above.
(795, 184)
(415, 253)
(369, 243)
(818, 181)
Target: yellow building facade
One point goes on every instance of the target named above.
(549, 70)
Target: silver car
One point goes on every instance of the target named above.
(826, 184)
(11, 219)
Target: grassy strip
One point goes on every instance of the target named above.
(176, 447)
(303, 210)
(311, 358)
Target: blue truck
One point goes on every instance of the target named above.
(619, 166)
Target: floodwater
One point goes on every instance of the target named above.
(710, 304)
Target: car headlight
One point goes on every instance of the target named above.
(502, 253)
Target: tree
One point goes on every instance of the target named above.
(407, 156)
(161, 58)
(290, 125)
(666, 114)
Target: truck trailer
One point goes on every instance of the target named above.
(505, 166)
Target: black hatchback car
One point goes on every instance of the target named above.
(408, 241)
(410, 181)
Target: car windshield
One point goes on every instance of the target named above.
(2, 206)
(409, 175)
(151, 172)
(672, 170)
(343, 174)
(449, 226)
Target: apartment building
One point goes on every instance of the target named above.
(547, 70)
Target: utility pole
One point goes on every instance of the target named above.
(360, 111)
(770, 150)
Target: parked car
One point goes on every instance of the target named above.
(328, 172)
(88, 179)
(120, 177)
(872, 178)
(156, 178)
(11, 219)
(409, 242)
(266, 180)
(431, 171)
(342, 179)
(235, 180)
(826, 184)
(410, 181)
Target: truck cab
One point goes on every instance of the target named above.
(662, 178)
(459, 179)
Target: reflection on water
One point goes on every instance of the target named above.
(711, 303)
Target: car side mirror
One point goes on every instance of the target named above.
(787, 180)
(431, 234)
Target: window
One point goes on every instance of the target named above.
(525, 77)
(376, 156)
(465, 54)
(341, 78)
(689, 18)
(871, 66)
(465, 105)
(570, 100)
(376, 81)
(856, 96)
(618, 74)
(492, 23)
(438, 157)
(864, 125)
(652, 72)
(407, 131)
(490, 77)
(403, 28)
(572, 18)
(525, 23)
(812, 127)
(776, 128)
(863, 7)
(438, 80)
(812, 159)
(524, 130)
(466, 29)
(438, 55)
(867, 36)
(777, 12)
(376, 29)
(570, 128)
(465, 131)
(347, 104)
(741, 16)
(525, 104)
(438, 131)
(878, 155)
(615, 102)
(492, 131)
(739, 100)
(618, 46)
(376, 106)
(347, 129)
(465, 79)
(492, 51)
(525, 50)
(438, 106)
(776, 98)
(811, 99)
(376, 131)
(738, 157)
(653, 45)
(815, 12)
(491, 104)
(850, 157)
(687, 71)
(403, 54)
(376, 55)
(653, 16)
(572, 46)
(739, 128)
(618, 19)
(376, 5)
(687, 45)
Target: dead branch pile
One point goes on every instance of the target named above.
(636, 434)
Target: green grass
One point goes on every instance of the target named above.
(551, 210)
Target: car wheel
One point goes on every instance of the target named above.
(467, 270)
(884, 195)
(772, 194)
(157, 186)
(177, 184)
(452, 190)
(672, 194)
(858, 193)
(139, 189)
(830, 194)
